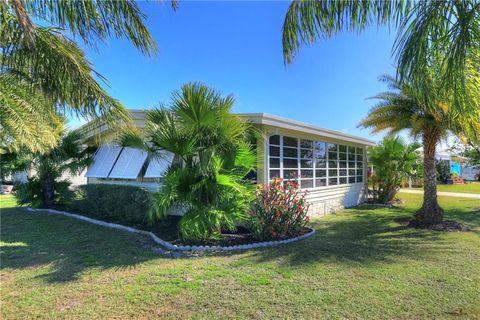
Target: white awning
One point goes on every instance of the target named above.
(129, 164)
(103, 161)
(158, 165)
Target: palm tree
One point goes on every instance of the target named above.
(444, 34)
(212, 157)
(39, 63)
(392, 160)
(70, 156)
(403, 108)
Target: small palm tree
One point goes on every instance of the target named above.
(70, 156)
(392, 160)
(403, 108)
(212, 157)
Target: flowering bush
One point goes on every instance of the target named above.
(279, 211)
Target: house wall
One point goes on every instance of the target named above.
(150, 186)
(323, 200)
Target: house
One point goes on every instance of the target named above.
(329, 165)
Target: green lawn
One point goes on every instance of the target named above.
(473, 187)
(360, 264)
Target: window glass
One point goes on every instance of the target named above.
(342, 164)
(332, 147)
(306, 153)
(332, 164)
(359, 157)
(275, 140)
(320, 146)
(332, 181)
(351, 179)
(290, 142)
(320, 182)
(352, 172)
(351, 149)
(332, 156)
(320, 164)
(290, 174)
(342, 172)
(274, 174)
(290, 163)
(342, 180)
(306, 174)
(274, 162)
(359, 179)
(342, 156)
(359, 165)
(274, 151)
(359, 151)
(359, 172)
(307, 144)
(320, 173)
(332, 172)
(306, 183)
(306, 163)
(342, 148)
(290, 152)
(351, 157)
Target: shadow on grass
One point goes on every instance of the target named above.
(366, 235)
(66, 246)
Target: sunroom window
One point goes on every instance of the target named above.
(314, 163)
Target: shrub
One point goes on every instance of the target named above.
(393, 160)
(443, 170)
(31, 193)
(115, 203)
(279, 211)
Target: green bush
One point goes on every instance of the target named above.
(31, 193)
(114, 203)
(279, 211)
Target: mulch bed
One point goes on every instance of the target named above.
(445, 225)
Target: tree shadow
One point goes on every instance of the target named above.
(66, 246)
(365, 235)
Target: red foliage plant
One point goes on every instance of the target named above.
(279, 211)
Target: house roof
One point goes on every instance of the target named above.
(276, 121)
(138, 117)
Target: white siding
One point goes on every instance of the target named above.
(327, 200)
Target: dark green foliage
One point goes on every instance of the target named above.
(443, 170)
(392, 160)
(279, 211)
(114, 203)
(30, 193)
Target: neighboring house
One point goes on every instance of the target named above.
(330, 165)
(458, 164)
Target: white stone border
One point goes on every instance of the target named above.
(174, 247)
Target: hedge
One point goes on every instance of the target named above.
(113, 203)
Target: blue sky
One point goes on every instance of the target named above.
(235, 47)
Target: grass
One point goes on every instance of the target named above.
(472, 187)
(360, 264)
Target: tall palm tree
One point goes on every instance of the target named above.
(441, 33)
(212, 157)
(403, 108)
(39, 63)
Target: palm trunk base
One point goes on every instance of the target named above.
(428, 215)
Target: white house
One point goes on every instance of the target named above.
(329, 165)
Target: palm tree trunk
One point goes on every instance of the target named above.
(430, 213)
(48, 191)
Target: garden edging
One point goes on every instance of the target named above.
(174, 247)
